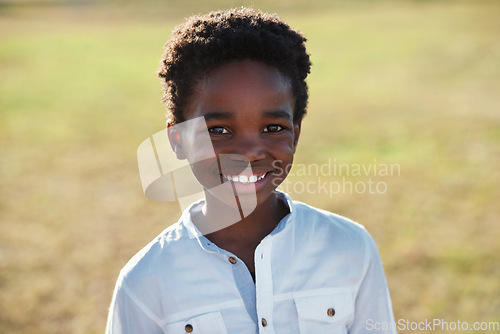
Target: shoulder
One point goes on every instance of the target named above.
(328, 227)
(149, 265)
(143, 279)
(308, 216)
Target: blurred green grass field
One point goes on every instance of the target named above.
(413, 83)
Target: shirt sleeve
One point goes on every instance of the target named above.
(129, 315)
(373, 306)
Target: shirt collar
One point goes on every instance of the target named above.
(193, 231)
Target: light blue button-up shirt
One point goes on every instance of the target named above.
(317, 272)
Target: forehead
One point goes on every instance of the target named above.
(243, 84)
(244, 72)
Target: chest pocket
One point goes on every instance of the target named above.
(326, 313)
(208, 323)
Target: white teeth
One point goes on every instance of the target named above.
(244, 178)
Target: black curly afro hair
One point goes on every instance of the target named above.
(205, 42)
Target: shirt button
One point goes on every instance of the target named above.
(188, 328)
(232, 260)
(330, 312)
(264, 322)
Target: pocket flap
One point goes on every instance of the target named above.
(208, 323)
(326, 308)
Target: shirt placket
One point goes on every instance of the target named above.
(264, 285)
(243, 279)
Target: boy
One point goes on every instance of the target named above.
(273, 265)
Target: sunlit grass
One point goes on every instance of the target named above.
(411, 83)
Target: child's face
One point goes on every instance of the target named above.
(248, 109)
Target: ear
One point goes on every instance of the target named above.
(296, 134)
(175, 141)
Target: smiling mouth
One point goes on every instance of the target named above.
(245, 179)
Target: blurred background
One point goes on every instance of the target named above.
(412, 83)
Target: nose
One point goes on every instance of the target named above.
(250, 147)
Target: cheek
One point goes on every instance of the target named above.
(200, 150)
(282, 149)
(283, 157)
(196, 140)
(219, 146)
(206, 172)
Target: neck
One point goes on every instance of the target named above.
(255, 226)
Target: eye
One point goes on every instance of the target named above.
(218, 130)
(273, 128)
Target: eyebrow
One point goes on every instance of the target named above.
(279, 114)
(221, 115)
(217, 115)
